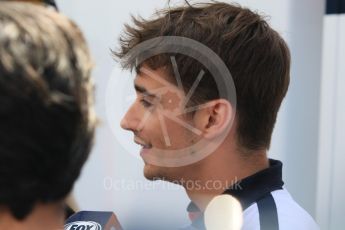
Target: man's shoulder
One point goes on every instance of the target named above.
(290, 214)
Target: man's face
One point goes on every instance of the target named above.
(152, 119)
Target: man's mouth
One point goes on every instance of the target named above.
(145, 147)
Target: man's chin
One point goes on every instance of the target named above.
(149, 172)
(152, 172)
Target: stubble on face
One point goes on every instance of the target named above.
(179, 137)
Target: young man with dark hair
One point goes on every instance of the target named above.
(46, 114)
(259, 62)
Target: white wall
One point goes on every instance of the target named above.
(295, 138)
(331, 174)
(302, 117)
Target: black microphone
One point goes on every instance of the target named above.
(92, 220)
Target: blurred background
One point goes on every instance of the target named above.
(308, 136)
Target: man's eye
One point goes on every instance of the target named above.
(145, 103)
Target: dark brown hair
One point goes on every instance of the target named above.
(255, 54)
(46, 114)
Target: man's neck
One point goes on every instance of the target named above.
(220, 171)
(42, 217)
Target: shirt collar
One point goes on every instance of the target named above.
(250, 189)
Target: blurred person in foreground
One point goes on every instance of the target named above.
(168, 130)
(47, 120)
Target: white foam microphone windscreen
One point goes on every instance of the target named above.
(224, 212)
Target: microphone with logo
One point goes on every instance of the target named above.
(92, 220)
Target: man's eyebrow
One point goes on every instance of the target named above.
(143, 90)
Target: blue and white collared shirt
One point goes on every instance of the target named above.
(266, 203)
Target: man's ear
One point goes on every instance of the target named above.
(214, 118)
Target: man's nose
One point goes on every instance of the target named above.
(131, 120)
